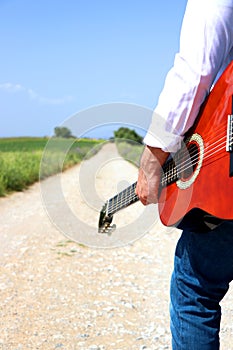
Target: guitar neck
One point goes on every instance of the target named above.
(122, 200)
(207, 150)
(128, 196)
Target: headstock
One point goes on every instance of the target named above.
(105, 220)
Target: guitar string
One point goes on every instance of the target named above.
(122, 193)
(132, 196)
(184, 151)
(220, 130)
(168, 177)
(211, 138)
(207, 152)
(170, 174)
(192, 161)
(128, 199)
(123, 200)
(117, 201)
(120, 205)
(208, 155)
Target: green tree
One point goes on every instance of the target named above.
(128, 135)
(62, 132)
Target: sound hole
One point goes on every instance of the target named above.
(190, 162)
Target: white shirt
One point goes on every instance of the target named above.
(206, 48)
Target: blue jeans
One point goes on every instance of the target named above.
(203, 269)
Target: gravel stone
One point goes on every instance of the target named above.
(58, 294)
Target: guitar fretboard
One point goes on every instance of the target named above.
(169, 174)
(128, 196)
(122, 200)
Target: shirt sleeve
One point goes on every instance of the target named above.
(206, 42)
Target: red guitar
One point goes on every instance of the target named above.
(200, 174)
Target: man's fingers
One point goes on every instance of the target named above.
(146, 191)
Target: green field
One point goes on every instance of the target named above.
(24, 161)
(130, 151)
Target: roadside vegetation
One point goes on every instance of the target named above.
(20, 159)
(26, 160)
(130, 151)
(129, 144)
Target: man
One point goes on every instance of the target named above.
(203, 265)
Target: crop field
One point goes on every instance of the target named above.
(24, 161)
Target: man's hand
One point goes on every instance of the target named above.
(149, 174)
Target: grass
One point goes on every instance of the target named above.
(24, 161)
(130, 151)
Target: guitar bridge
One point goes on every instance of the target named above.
(229, 145)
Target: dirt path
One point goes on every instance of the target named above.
(58, 294)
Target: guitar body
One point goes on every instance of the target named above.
(209, 186)
(200, 175)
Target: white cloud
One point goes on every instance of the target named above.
(14, 88)
(11, 87)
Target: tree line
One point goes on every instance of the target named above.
(122, 133)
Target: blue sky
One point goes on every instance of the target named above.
(61, 57)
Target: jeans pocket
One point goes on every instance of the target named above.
(211, 253)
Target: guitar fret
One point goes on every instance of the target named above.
(128, 195)
(197, 153)
(122, 199)
(170, 173)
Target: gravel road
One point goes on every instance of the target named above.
(60, 294)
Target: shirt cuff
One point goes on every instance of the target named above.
(158, 137)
